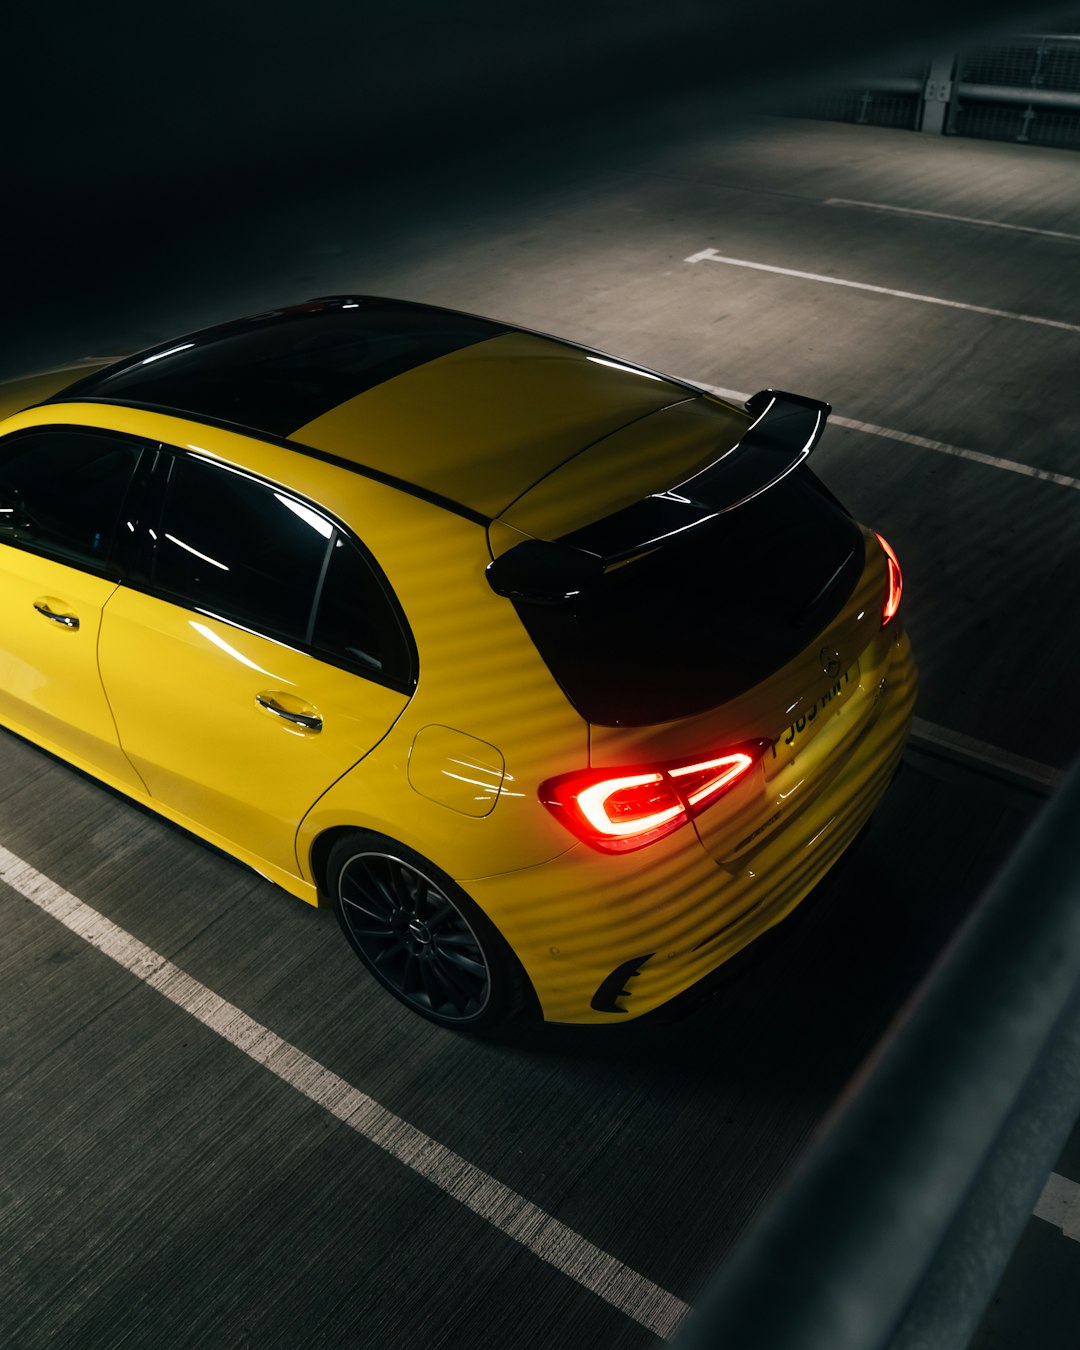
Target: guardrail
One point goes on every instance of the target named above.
(894, 1230)
(1026, 88)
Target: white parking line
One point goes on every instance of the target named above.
(946, 215)
(923, 442)
(711, 255)
(1059, 1204)
(994, 461)
(651, 1306)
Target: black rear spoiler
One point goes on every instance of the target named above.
(785, 429)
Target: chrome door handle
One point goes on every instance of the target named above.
(65, 620)
(304, 720)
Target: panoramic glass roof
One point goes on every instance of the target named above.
(278, 371)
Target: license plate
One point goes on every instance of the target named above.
(794, 736)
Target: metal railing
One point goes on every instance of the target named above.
(1025, 89)
(893, 1232)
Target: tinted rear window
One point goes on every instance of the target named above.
(709, 614)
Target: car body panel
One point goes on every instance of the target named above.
(512, 437)
(485, 423)
(653, 454)
(209, 749)
(671, 903)
(456, 770)
(49, 684)
(477, 675)
(812, 711)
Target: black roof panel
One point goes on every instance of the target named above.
(277, 371)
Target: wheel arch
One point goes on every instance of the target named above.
(321, 848)
(516, 996)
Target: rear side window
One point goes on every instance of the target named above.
(708, 614)
(62, 490)
(356, 624)
(254, 555)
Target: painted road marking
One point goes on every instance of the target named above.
(1059, 1204)
(648, 1304)
(946, 215)
(711, 255)
(923, 442)
(994, 461)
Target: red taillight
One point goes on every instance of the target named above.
(896, 582)
(617, 810)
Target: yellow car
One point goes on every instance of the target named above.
(561, 679)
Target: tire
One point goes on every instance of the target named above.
(422, 937)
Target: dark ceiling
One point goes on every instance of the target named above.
(131, 128)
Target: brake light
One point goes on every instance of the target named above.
(896, 583)
(619, 810)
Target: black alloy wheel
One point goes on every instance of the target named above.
(422, 937)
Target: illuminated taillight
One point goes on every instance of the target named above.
(617, 810)
(896, 582)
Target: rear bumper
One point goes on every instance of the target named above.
(670, 911)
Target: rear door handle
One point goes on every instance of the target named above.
(44, 607)
(309, 721)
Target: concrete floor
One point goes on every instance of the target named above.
(160, 1189)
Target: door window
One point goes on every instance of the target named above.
(240, 549)
(62, 490)
(259, 557)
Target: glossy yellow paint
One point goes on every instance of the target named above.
(653, 454)
(202, 743)
(671, 904)
(190, 739)
(823, 729)
(49, 685)
(456, 770)
(484, 423)
(476, 676)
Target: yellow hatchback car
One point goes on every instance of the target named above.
(562, 679)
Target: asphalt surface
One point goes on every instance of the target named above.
(160, 1188)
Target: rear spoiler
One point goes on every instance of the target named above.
(785, 429)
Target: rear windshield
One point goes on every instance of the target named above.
(709, 614)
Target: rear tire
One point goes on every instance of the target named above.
(422, 937)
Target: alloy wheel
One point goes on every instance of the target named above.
(414, 936)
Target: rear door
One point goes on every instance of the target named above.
(259, 659)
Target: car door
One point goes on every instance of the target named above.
(258, 660)
(62, 490)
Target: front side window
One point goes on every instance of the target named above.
(62, 489)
